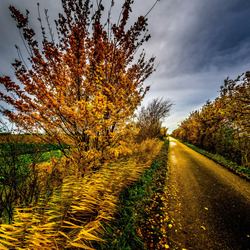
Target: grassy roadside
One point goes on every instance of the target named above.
(243, 172)
(141, 217)
(79, 208)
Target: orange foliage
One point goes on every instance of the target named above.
(222, 126)
(76, 212)
(81, 91)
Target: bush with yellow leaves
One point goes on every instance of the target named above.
(76, 212)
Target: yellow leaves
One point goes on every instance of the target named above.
(81, 245)
(64, 235)
(82, 94)
(76, 212)
(71, 225)
(7, 237)
(6, 243)
(45, 167)
(85, 235)
(49, 225)
(39, 240)
(73, 89)
(2, 247)
(6, 227)
(24, 216)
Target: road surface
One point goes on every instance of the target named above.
(209, 207)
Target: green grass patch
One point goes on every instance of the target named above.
(232, 166)
(137, 224)
(19, 177)
(26, 152)
(27, 148)
(47, 155)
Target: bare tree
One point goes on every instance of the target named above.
(150, 118)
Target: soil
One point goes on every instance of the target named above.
(209, 206)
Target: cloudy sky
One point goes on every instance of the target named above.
(197, 44)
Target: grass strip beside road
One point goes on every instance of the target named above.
(141, 217)
(243, 172)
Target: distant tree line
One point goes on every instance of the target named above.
(222, 126)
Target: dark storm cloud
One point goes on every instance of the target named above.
(220, 34)
(197, 35)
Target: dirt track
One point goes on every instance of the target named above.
(209, 207)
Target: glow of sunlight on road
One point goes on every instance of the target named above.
(173, 159)
(172, 143)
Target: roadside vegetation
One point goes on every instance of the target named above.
(75, 150)
(222, 127)
(71, 210)
(141, 219)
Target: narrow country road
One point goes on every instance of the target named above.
(209, 207)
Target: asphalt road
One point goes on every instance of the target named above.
(209, 207)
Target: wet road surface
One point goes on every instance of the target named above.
(209, 207)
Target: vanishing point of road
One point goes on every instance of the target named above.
(209, 206)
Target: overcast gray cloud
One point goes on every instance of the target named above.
(198, 35)
(197, 45)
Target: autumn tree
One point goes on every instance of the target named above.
(150, 118)
(236, 97)
(235, 94)
(222, 126)
(80, 88)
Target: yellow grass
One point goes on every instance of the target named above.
(75, 214)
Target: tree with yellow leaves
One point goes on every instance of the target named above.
(222, 126)
(80, 89)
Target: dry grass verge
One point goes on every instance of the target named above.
(75, 214)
